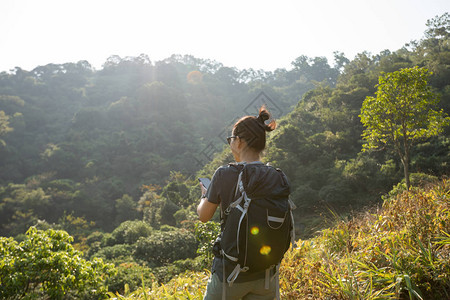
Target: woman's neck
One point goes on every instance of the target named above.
(249, 157)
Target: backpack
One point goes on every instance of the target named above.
(258, 227)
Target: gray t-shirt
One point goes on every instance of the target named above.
(223, 183)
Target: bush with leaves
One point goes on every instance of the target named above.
(165, 247)
(206, 234)
(126, 209)
(417, 180)
(183, 215)
(114, 252)
(130, 231)
(132, 275)
(166, 273)
(161, 212)
(45, 265)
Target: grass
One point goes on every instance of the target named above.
(400, 251)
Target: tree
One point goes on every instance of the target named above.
(46, 266)
(126, 209)
(4, 125)
(402, 113)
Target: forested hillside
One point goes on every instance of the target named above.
(83, 138)
(318, 144)
(112, 155)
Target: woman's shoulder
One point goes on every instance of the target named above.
(231, 168)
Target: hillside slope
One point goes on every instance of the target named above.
(400, 251)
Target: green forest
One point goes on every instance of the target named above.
(99, 173)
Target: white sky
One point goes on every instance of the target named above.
(243, 33)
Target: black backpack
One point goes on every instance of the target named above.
(258, 227)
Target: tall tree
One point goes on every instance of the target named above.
(4, 125)
(402, 112)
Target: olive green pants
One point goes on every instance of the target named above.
(251, 290)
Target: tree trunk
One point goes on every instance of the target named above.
(406, 166)
(406, 171)
(405, 159)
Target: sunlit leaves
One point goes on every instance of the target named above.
(399, 252)
(4, 124)
(206, 234)
(403, 112)
(45, 265)
(164, 247)
(404, 107)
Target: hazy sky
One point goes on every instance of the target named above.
(244, 34)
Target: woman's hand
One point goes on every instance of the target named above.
(205, 209)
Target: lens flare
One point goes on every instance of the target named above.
(254, 230)
(265, 250)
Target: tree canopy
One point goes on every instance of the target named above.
(403, 112)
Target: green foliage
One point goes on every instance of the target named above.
(166, 273)
(28, 268)
(399, 252)
(8, 103)
(4, 125)
(94, 237)
(432, 156)
(161, 212)
(20, 208)
(403, 109)
(167, 228)
(184, 214)
(177, 191)
(111, 253)
(206, 234)
(186, 286)
(316, 145)
(164, 247)
(130, 231)
(87, 142)
(417, 180)
(126, 209)
(130, 275)
(402, 112)
(78, 227)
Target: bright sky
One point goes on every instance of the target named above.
(238, 33)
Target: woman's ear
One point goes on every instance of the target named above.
(241, 143)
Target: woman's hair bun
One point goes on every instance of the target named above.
(263, 116)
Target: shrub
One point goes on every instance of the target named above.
(166, 228)
(131, 274)
(185, 214)
(113, 252)
(95, 236)
(418, 180)
(130, 231)
(165, 247)
(161, 211)
(206, 234)
(28, 268)
(166, 273)
(108, 240)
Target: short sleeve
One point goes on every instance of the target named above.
(214, 188)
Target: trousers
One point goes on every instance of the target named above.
(251, 290)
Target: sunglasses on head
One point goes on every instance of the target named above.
(231, 137)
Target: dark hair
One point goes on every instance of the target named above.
(253, 129)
